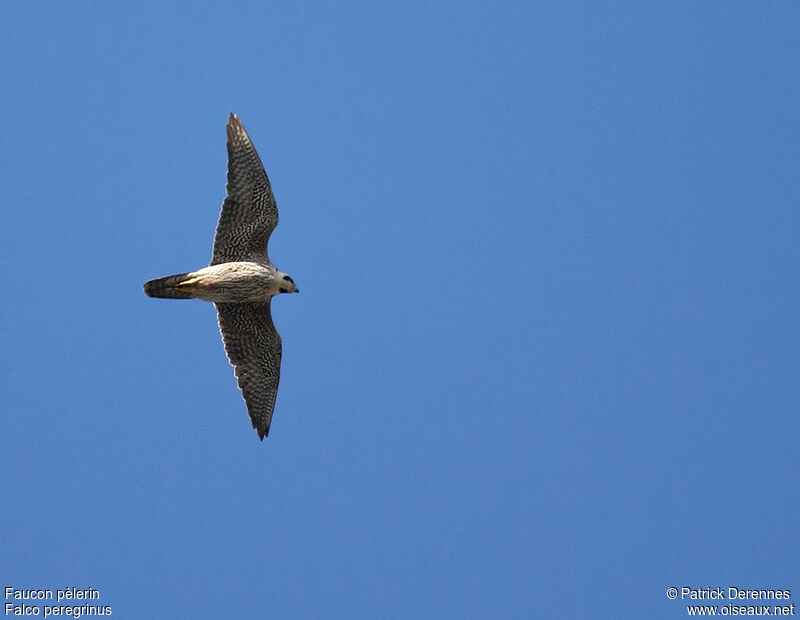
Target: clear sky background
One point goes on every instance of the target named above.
(546, 357)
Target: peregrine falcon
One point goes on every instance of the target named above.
(241, 280)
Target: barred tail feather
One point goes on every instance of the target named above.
(168, 287)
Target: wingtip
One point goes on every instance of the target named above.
(235, 127)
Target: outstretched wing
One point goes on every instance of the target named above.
(249, 213)
(253, 346)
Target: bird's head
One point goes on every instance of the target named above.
(286, 284)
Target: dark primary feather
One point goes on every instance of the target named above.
(249, 213)
(253, 346)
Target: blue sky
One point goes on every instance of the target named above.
(545, 361)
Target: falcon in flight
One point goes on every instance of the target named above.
(241, 280)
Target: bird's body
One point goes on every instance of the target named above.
(241, 280)
(233, 282)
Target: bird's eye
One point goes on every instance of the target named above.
(288, 279)
(283, 290)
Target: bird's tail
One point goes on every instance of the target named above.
(171, 287)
